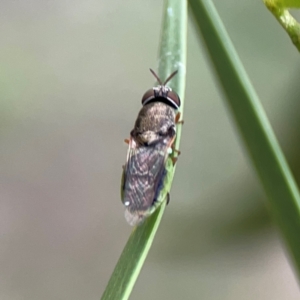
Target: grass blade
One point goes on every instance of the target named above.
(132, 258)
(172, 56)
(253, 124)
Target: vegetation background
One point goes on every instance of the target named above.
(72, 74)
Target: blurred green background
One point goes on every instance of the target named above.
(72, 74)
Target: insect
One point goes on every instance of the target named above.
(148, 158)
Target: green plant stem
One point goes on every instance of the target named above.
(280, 11)
(267, 157)
(132, 258)
(172, 52)
(172, 56)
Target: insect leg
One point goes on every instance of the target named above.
(174, 160)
(168, 198)
(177, 118)
(175, 150)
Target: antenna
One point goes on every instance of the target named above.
(155, 75)
(170, 77)
(167, 80)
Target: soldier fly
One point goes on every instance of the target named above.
(148, 158)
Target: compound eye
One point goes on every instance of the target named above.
(174, 99)
(148, 96)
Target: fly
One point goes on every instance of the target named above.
(149, 147)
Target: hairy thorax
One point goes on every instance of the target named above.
(153, 122)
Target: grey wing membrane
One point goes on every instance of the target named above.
(144, 174)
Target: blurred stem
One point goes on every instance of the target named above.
(172, 52)
(172, 56)
(279, 8)
(267, 157)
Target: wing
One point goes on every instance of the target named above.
(143, 177)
